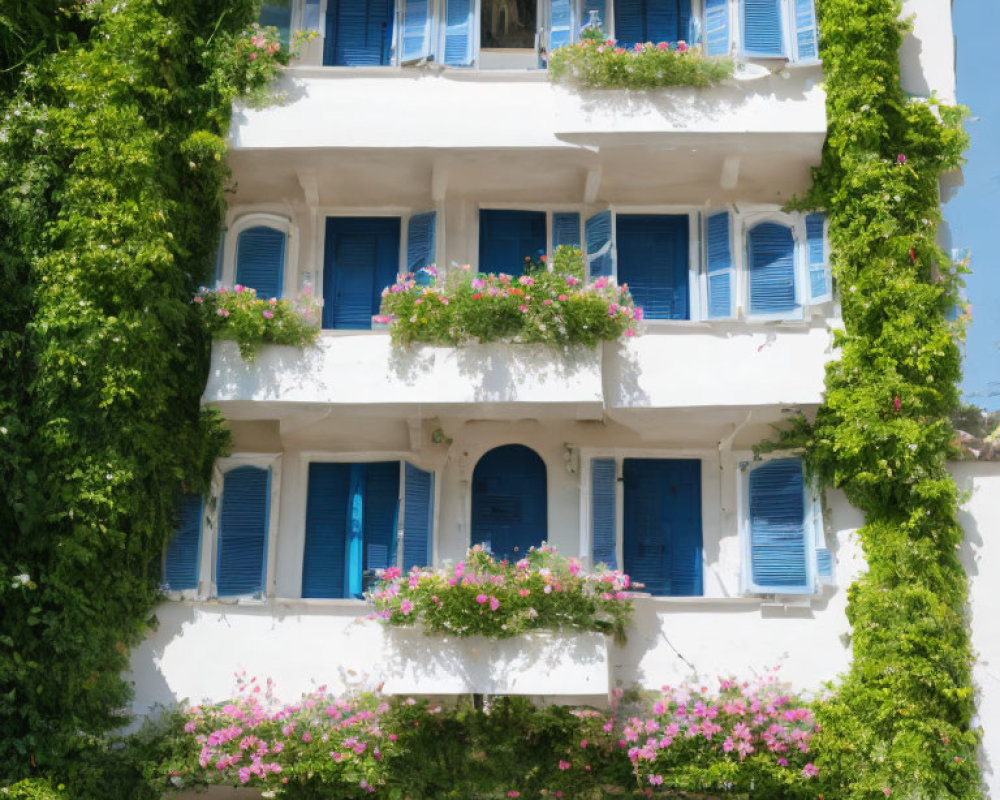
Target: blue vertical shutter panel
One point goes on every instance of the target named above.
(629, 27)
(416, 30)
(560, 25)
(361, 259)
(565, 229)
(260, 260)
(820, 279)
(717, 27)
(719, 262)
(458, 33)
(777, 527)
(418, 517)
(509, 501)
(638, 21)
(243, 532)
(183, 559)
(653, 262)
(603, 511)
(600, 245)
(762, 36)
(805, 30)
(771, 253)
(323, 560)
(381, 516)
(358, 33)
(507, 237)
(420, 241)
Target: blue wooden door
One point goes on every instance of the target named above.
(362, 258)
(358, 33)
(653, 261)
(509, 501)
(638, 21)
(662, 524)
(506, 238)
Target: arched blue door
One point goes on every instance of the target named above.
(509, 501)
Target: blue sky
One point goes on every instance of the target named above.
(974, 213)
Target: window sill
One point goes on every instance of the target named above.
(429, 69)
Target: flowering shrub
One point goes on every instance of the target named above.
(554, 307)
(600, 64)
(481, 596)
(239, 314)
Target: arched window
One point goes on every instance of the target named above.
(509, 501)
(260, 260)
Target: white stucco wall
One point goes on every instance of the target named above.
(927, 56)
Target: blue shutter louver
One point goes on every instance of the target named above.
(762, 36)
(805, 30)
(719, 263)
(381, 516)
(717, 27)
(458, 33)
(603, 512)
(243, 521)
(361, 259)
(358, 33)
(560, 25)
(418, 517)
(820, 280)
(260, 260)
(777, 527)
(420, 241)
(565, 229)
(323, 559)
(771, 255)
(653, 254)
(638, 21)
(507, 237)
(629, 27)
(183, 558)
(416, 30)
(509, 501)
(600, 245)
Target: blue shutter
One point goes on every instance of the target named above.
(506, 238)
(565, 229)
(653, 262)
(805, 30)
(638, 21)
(311, 18)
(717, 27)
(560, 25)
(418, 517)
(243, 519)
(762, 36)
(599, 6)
(420, 241)
(278, 14)
(323, 560)
(771, 255)
(629, 22)
(820, 281)
(362, 258)
(719, 266)
(603, 511)
(824, 566)
(416, 30)
(358, 33)
(381, 516)
(778, 527)
(509, 501)
(600, 245)
(260, 260)
(458, 33)
(662, 539)
(354, 563)
(182, 562)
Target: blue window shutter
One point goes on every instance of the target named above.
(824, 566)
(416, 30)
(629, 27)
(458, 33)
(653, 262)
(662, 538)
(183, 559)
(599, 236)
(778, 527)
(771, 255)
(420, 241)
(418, 517)
(278, 14)
(603, 511)
(323, 560)
(820, 280)
(381, 516)
(638, 21)
(719, 266)
(560, 24)
(762, 35)
(566, 229)
(805, 30)
(260, 260)
(509, 501)
(311, 18)
(358, 33)
(717, 27)
(243, 520)
(506, 238)
(361, 259)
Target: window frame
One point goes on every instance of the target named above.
(796, 222)
(789, 39)
(549, 209)
(263, 219)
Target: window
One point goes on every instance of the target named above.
(509, 501)
(182, 560)
(653, 262)
(661, 533)
(638, 21)
(244, 512)
(260, 260)
(361, 259)
(508, 24)
(779, 29)
(278, 13)
(771, 269)
(353, 522)
(508, 239)
(358, 33)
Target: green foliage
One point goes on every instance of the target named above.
(481, 596)
(112, 178)
(252, 321)
(596, 64)
(900, 724)
(551, 307)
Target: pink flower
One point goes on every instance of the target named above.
(896, 403)
(268, 314)
(253, 56)
(572, 280)
(810, 771)
(494, 604)
(222, 312)
(406, 607)
(564, 765)
(273, 48)
(523, 309)
(638, 47)
(307, 737)
(547, 301)
(512, 793)
(478, 283)
(637, 315)
(682, 47)
(574, 567)
(524, 592)
(886, 791)
(481, 599)
(900, 159)
(562, 298)
(630, 332)
(656, 780)
(663, 46)
(199, 299)
(524, 280)
(238, 288)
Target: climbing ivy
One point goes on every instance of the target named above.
(900, 723)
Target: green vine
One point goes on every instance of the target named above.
(900, 724)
